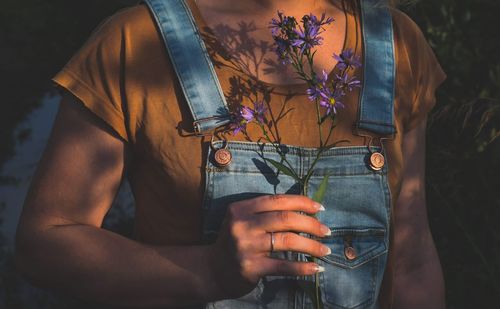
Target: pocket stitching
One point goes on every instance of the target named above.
(365, 258)
(379, 249)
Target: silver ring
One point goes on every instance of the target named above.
(273, 241)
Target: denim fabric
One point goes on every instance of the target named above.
(357, 199)
(191, 63)
(198, 80)
(376, 110)
(357, 207)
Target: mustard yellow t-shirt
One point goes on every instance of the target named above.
(123, 74)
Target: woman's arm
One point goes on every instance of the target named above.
(418, 281)
(60, 243)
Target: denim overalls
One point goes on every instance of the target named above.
(358, 198)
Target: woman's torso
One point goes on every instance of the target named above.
(126, 65)
(178, 159)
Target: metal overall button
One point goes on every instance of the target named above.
(349, 251)
(222, 156)
(377, 161)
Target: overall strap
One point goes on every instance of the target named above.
(192, 64)
(376, 107)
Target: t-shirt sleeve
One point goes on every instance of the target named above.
(93, 75)
(425, 72)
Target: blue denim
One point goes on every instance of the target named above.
(357, 208)
(198, 80)
(192, 64)
(376, 110)
(358, 198)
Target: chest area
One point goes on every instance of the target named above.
(245, 40)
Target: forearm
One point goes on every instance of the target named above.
(419, 283)
(418, 278)
(101, 266)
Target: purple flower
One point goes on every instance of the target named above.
(347, 59)
(283, 25)
(346, 83)
(307, 38)
(241, 118)
(246, 115)
(313, 19)
(314, 92)
(238, 126)
(330, 100)
(283, 32)
(329, 97)
(287, 34)
(275, 26)
(259, 112)
(283, 50)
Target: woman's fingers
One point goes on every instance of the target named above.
(278, 267)
(282, 221)
(293, 242)
(282, 202)
(244, 238)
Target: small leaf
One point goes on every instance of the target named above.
(282, 168)
(319, 195)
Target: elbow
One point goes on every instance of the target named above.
(27, 247)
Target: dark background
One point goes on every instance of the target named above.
(37, 37)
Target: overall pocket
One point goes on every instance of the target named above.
(352, 270)
(356, 202)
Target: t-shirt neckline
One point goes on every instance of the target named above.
(301, 87)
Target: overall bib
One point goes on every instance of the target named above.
(357, 201)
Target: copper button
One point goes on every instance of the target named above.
(350, 253)
(377, 161)
(223, 157)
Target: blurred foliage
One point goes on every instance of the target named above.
(37, 37)
(463, 149)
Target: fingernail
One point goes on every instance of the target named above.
(326, 230)
(326, 250)
(319, 269)
(320, 207)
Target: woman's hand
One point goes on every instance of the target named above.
(241, 253)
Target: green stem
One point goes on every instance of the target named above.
(311, 79)
(317, 288)
(332, 126)
(278, 150)
(318, 155)
(318, 114)
(317, 291)
(297, 63)
(310, 59)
